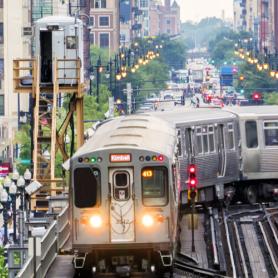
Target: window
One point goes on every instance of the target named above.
(155, 186)
(86, 187)
(271, 133)
(92, 38)
(100, 4)
(104, 21)
(104, 40)
(205, 139)
(230, 139)
(92, 20)
(168, 21)
(179, 142)
(143, 3)
(2, 105)
(1, 4)
(121, 186)
(1, 69)
(199, 147)
(71, 42)
(211, 139)
(251, 134)
(1, 33)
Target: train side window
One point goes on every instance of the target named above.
(154, 186)
(205, 138)
(199, 147)
(271, 133)
(179, 142)
(251, 134)
(86, 187)
(230, 139)
(211, 139)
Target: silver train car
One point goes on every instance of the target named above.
(258, 151)
(124, 197)
(208, 138)
(235, 151)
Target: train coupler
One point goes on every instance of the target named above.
(79, 260)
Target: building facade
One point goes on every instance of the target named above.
(259, 18)
(106, 21)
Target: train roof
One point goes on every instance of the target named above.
(254, 111)
(185, 115)
(135, 131)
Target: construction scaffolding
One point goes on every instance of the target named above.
(47, 139)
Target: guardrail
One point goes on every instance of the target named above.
(45, 249)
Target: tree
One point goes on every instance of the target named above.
(3, 268)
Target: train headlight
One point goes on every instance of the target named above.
(147, 220)
(95, 221)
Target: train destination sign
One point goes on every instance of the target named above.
(120, 157)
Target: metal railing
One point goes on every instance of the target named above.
(47, 247)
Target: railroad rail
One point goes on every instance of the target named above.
(251, 235)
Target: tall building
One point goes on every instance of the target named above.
(164, 19)
(16, 19)
(105, 15)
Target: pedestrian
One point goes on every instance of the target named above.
(198, 102)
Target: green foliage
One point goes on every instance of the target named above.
(271, 98)
(201, 33)
(96, 52)
(255, 80)
(3, 268)
(23, 139)
(173, 53)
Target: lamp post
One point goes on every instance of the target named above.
(27, 177)
(13, 190)
(21, 186)
(4, 201)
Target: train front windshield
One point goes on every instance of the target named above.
(155, 186)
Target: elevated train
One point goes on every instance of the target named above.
(125, 197)
(235, 150)
(128, 180)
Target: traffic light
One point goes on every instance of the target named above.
(241, 91)
(192, 182)
(256, 96)
(182, 100)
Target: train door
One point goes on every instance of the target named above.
(58, 48)
(221, 150)
(122, 226)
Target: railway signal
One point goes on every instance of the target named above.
(192, 182)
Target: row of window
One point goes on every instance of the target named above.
(103, 21)
(104, 39)
(87, 186)
(95, 4)
(270, 129)
(205, 139)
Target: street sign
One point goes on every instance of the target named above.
(25, 161)
(4, 169)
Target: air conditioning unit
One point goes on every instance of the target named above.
(27, 31)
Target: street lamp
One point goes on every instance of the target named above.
(4, 201)
(13, 191)
(21, 186)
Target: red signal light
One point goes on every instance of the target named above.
(192, 169)
(256, 96)
(193, 182)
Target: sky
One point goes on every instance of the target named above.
(195, 10)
